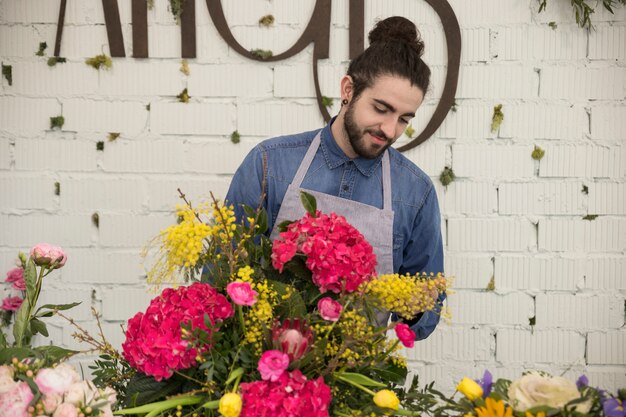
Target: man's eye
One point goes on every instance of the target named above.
(406, 122)
(379, 110)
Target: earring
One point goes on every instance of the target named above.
(344, 101)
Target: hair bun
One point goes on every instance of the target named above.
(399, 29)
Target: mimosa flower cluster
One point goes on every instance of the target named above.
(336, 253)
(154, 341)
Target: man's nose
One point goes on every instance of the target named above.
(388, 127)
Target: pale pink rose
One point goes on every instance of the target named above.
(66, 410)
(80, 393)
(11, 303)
(405, 334)
(44, 254)
(16, 277)
(14, 403)
(56, 380)
(50, 403)
(329, 309)
(6, 379)
(272, 364)
(241, 293)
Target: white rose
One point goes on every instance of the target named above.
(80, 393)
(56, 380)
(6, 379)
(535, 389)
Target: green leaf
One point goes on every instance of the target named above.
(38, 326)
(60, 307)
(17, 352)
(248, 210)
(261, 221)
(282, 226)
(309, 203)
(361, 379)
(54, 354)
(145, 389)
(30, 279)
(3, 340)
(293, 306)
(392, 373)
(233, 375)
(21, 332)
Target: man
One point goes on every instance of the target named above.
(350, 167)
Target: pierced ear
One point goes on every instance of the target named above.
(347, 86)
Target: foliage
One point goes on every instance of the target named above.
(99, 61)
(113, 136)
(447, 176)
(57, 121)
(497, 118)
(100, 145)
(590, 217)
(267, 20)
(583, 10)
(176, 7)
(52, 61)
(7, 72)
(184, 67)
(262, 54)
(409, 131)
(538, 153)
(235, 137)
(42, 49)
(327, 101)
(183, 97)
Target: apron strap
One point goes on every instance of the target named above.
(310, 155)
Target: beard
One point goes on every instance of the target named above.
(356, 136)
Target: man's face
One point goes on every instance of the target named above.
(376, 119)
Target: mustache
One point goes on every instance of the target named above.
(379, 134)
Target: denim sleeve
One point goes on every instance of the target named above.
(247, 183)
(424, 253)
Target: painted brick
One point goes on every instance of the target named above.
(485, 12)
(606, 348)
(464, 197)
(210, 46)
(529, 43)
(230, 80)
(297, 80)
(582, 83)
(5, 153)
(475, 45)
(540, 346)
(490, 234)
(65, 295)
(26, 192)
(123, 230)
(122, 305)
(419, 13)
(338, 48)
(534, 273)
(103, 267)
(582, 161)
(164, 41)
(80, 42)
(606, 273)
(68, 79)
(29, 11)
(607, 198)
(163, 194)
(472, 272)
(608, 42)
(469, 121)
(192, 118)
(209, 157)
(99, 194)
(278, 118)
(23, 41)
(26, 115)
(479, 161)
(541, 198)
(490, 308)
(579, 312)
(141, 78)
(494, 82)
(610, 378)
(55, 154)
(142, 156)
(453, 344)
(241, 12)
(63, 230)
(278, 40)
(540, 121)
(603, 15)
(83, 115)
(430, 156)
(608, 123)
(600, 235)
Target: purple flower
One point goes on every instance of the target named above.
(614, 408)
(582, 382)
(486, 383)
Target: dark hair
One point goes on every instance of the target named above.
(395, 49)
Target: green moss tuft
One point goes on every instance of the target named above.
(590, 217)
(235, 137)
(553, 25)
(453, 108)
(447, 176)
(497, 118)
(262, 53)
(100, 145)
(42, 49)
(267, 20)
(57, 121)
(7, 72)
(52, 61)
(327, 101)
(148, 106)
(95, 219)
(184, 67)
(532, 321)
(176, 7)
(183, 97)
(57, 188)
(492, 284)
(538, 153)
(113, 136)
(585, 189)
(409, 131)
(99, 61)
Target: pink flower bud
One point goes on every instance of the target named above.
(241, 293)
(329, 309)
(44, 254)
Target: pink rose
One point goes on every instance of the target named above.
(272, 364)
(241, 293)
(56, 380)
(11, 303)
(14, 403)
(44, 254)
(66, 410)
(405, 334)
(329, 309)
(16, 277)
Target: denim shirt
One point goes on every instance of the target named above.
(417, 243)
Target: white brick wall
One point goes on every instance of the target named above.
(506, 218)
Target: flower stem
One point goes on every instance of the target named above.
(154, 409)
(361, 387)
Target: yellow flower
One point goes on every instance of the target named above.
(494, 408)
(470, 388)
(387, 399)
(230, 405)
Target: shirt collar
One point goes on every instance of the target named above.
(335, 157)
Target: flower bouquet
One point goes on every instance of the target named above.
(289, 328)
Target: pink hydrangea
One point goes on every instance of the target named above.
(336, 253)
(329, 309)
(405, 334)
(241, 293)
(16, 277)
(154, 343)
(11, 303)
(273, 364)
(290, 395)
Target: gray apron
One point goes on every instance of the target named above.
(375, 224)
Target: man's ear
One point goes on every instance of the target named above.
(347, 88)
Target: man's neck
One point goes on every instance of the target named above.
(341, 137)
